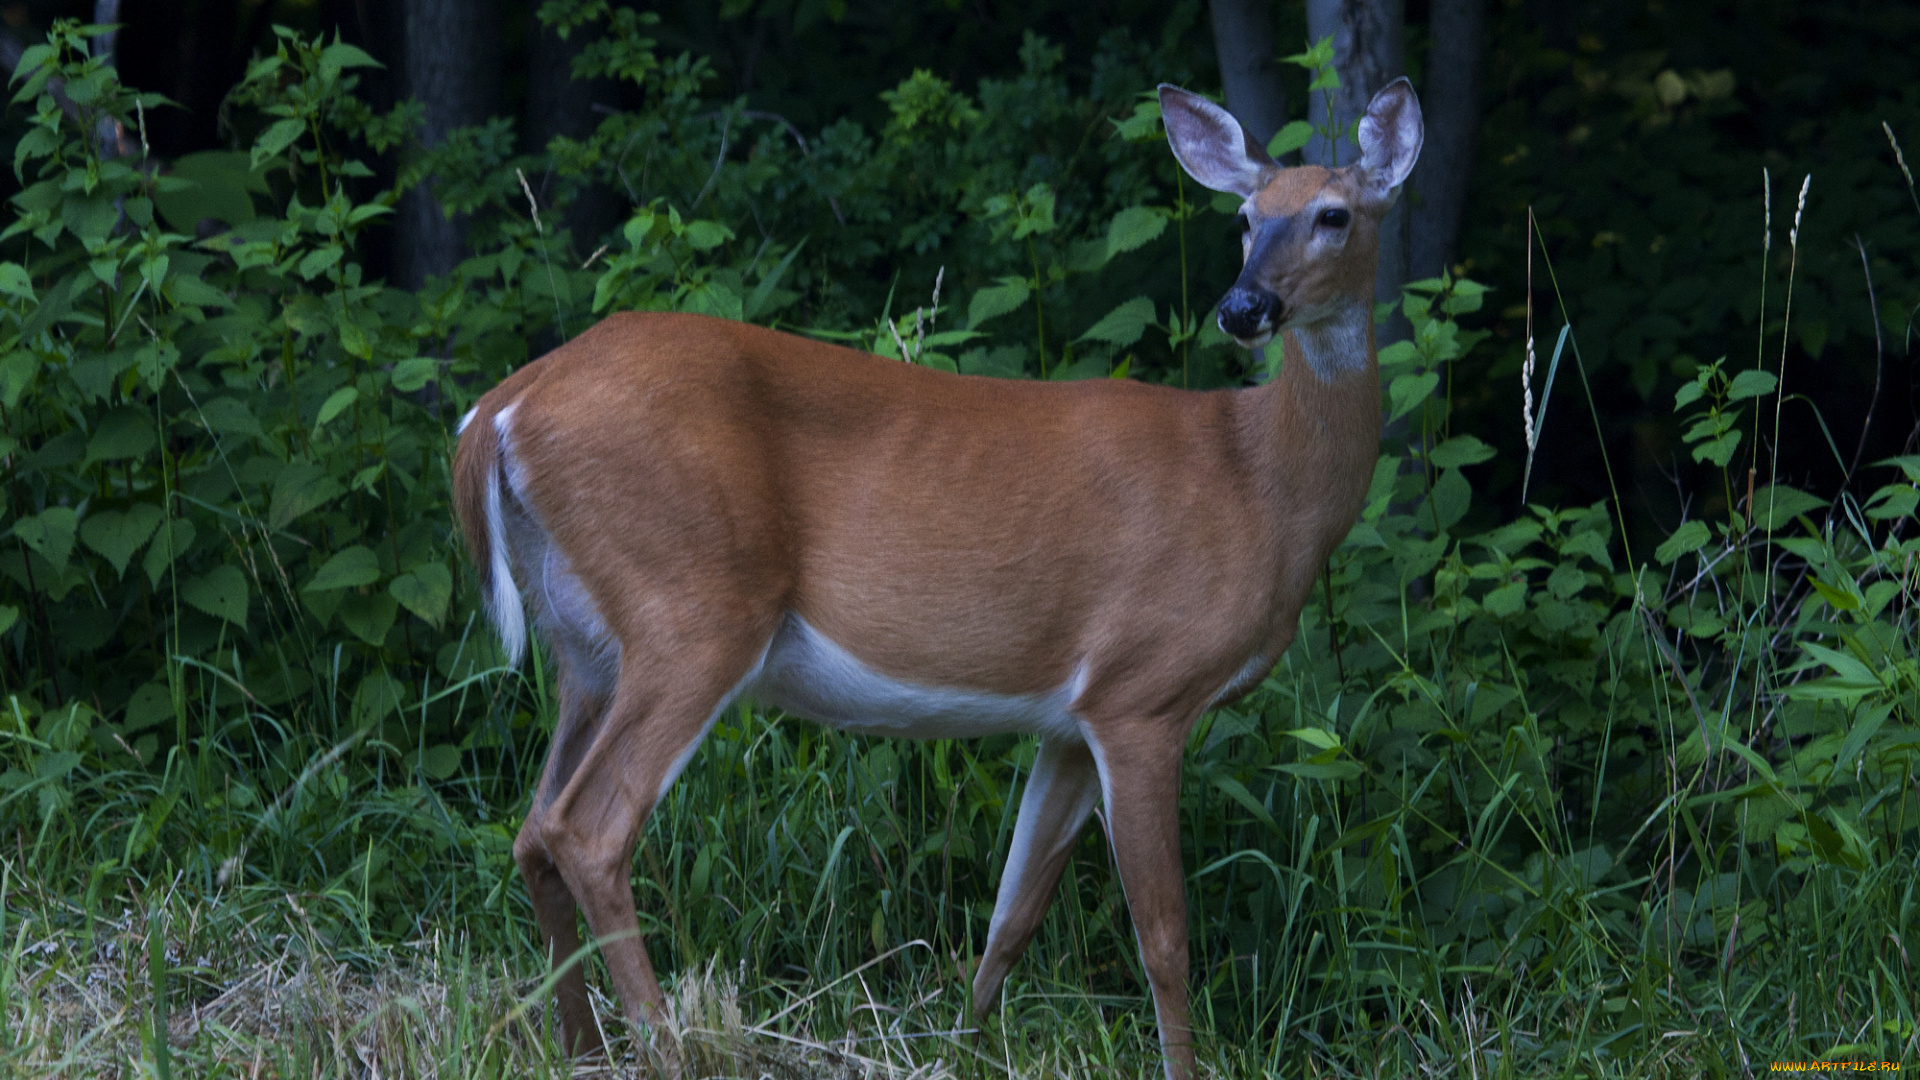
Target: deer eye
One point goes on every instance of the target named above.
(1335, 218)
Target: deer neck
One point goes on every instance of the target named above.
(1311, 435)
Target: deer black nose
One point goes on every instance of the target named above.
(1247, 313)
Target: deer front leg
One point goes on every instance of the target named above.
(1140, 782)
(1059, 796)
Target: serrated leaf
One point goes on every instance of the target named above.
(424, 591)
(117, 534)
(440, 761)
(337, 402)
(1752, 383)
(278, 136)
(1409, 392)
(220, 592)
(1290, 138)
(996, 300)
(1690, 536)
(1123, 325)
(301, 488)
(227, 416)
(1134, 227)
(342, 55)
(1777, 505)
(1460, 450)
(348, 568)
(411, 375)
(369, 617)
(706, 235)
(169, 543)
(50, 534)
(125, 433)
(378, 696)
(15, 282)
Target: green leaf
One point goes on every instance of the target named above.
(1720, 450)
(424, 591)
(1776, 505)
(118, 534)
(124, 433)
(1507, 600)
(1134, 227)
(8, 616)
(276, 138)
(707, 235)
(1238, 792)
(1450, 499)
(411, 375)
(349, 568)
(337, 402)
(217, 185)
(227, 416)
(1460, 450)
(221, 592)
(996, 300)
(1322, 770)
(1290, 138)
(1751, 383)
(1409, 392)
(168, 544)
(342, 55)
(440, 761)
(369, 617)
(301, 488)
(50, 534)
(15, 282)
(1690, 536)
(1319, 738)
(378, 696)
(1123, 325)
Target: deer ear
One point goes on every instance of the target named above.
(1390, 137)
(1210, 144)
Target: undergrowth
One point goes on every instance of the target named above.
(1522, 801)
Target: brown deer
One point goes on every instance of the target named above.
(699, 509)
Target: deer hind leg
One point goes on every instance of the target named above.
(582, 706)
(1140, 782)
(1060, 795)
(666, 701)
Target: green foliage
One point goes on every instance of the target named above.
(1505, 758)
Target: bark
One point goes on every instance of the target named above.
(1249, 65)
(559, 104)
(450, 53)
(1451, 101)
(1369, 52)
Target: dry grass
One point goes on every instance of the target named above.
(253, 992)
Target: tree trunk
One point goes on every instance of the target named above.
(1249, 65)
(450, 64)
(1451, 102)
(559, 104)
(1369, 51)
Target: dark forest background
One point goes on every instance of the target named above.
(1637, 133)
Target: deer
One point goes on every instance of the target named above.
(692, 510)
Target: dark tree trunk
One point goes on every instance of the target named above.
(1249, 65)
(559, 104)
(1451, 102)
(451, 64)
(1369, 52)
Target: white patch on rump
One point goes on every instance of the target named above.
(809, 675)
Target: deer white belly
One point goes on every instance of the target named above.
(808, 674)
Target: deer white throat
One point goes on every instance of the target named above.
(1335, 345)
